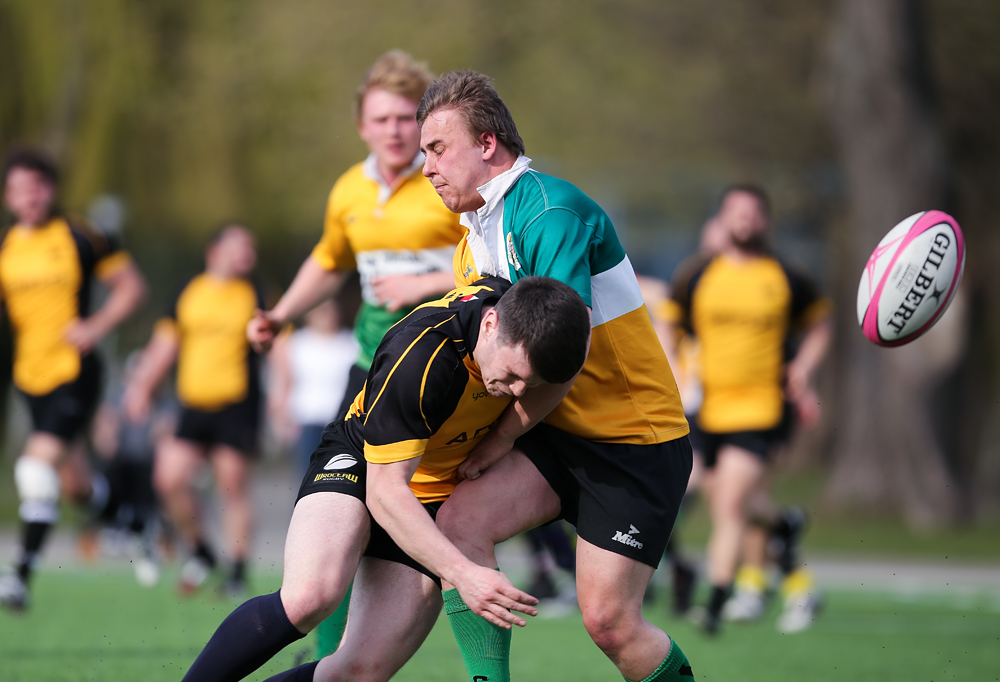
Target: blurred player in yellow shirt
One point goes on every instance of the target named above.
(47, 266)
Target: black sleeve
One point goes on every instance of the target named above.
(414, 386)
(804, 291)
(683, 284)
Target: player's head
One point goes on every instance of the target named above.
(745, 216)
(466, 130)
(536, 333)
(231, 252)
(385, 108)
(30, 180)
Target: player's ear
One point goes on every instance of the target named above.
(488, 141)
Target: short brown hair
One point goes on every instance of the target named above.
(31, 158)
(394, 72)
(475, 97)
(550, 321)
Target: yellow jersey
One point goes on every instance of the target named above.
(742, 314)
(216, 366)
(45, 278)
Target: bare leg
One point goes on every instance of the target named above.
(174, 469)
(610, 588)
(736, 474)
(327, 535)
(393, 608)
(470, 520)
(232, 476)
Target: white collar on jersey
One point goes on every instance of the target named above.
(371, 171)
(493, 191)
(485, 238)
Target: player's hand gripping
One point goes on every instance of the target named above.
(82, 335)
(262, 330)
(490, 450)
(489, 594)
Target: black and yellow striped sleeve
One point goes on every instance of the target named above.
(414, 386)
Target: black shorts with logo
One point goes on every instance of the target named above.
(759, 442)
(235, 425)
(337, 466)
(621, 497)
(66, 410)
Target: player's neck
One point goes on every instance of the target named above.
(743, 254)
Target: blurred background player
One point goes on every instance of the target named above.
(127, 449)
(743, 305)
(308, 370)
(383, 219)
(47, 265)
(219, 391)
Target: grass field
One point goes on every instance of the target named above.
(98, 625)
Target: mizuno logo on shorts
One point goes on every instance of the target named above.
(626, 538)
(340, 462)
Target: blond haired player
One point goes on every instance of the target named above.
(384, 220)
(612, 456)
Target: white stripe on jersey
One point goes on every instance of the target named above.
(614, 293)
(378, 262)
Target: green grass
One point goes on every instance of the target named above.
(98, 625)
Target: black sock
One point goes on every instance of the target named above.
(247, 639)
(33, 534)
(202, 551)
(720, 593)
(304, 673)
(239, 573)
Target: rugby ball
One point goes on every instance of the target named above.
(911, 278)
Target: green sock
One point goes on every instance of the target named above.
(675, 667)
(485, 647)
(331, 631)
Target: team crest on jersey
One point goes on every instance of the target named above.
(511, 253)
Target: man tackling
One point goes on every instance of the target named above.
(439, 382)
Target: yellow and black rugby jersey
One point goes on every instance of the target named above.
(742, 313)
(383, 230)
(45, 278)
(216, 366)
(424, 395)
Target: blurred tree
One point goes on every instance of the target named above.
(886, 451)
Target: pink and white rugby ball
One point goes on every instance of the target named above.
(911, 277)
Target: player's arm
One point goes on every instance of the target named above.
(519, 417)
(155, 361)
(126, 291)
(279, 389)
(800, 371)
(312, 284)
(394, 507)
(406, 291)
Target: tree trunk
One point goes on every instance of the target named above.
(886, 452)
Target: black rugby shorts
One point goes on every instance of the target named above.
(337, 466)
(234, 425)
(621, 497)
(66, 411)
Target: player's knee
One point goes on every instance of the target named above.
(308, 603)
(609, 630)
(37, 485)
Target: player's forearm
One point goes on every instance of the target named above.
(156, 360)
(397, 510)
(434, 283)
(312, 284)
(812, 349)
(127, 292)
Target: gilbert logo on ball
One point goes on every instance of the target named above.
(911, 277)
